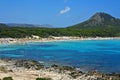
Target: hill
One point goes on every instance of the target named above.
(99, 25)
(29, 25)
(99, 20)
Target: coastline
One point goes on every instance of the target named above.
(51, 39)
(23, 70)
(30, 70)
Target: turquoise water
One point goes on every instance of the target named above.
(101, 55)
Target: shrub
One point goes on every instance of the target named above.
(43, 79)
(7, 78)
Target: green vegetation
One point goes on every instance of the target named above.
(7, 78)
(43, 79)
(20, 32)
(100, 24)
(99, 20)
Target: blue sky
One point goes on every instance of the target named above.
(59, 13)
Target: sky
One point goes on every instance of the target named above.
(59, 13)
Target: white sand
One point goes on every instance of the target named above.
(50, 39)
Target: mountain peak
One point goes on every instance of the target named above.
(100, 19)
(102, 14)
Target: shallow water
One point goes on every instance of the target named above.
(101, 55)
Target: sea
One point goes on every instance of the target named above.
(99, 55)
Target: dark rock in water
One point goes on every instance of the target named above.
(6, 59)
(29, 64)
(91, 73)
(102, 76)
(54, 65)
(63, 68)
(114, 76)
(67, 69)
(76, 74)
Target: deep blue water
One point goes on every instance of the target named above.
(101, 55)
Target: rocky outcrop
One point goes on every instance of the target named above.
(30, 70)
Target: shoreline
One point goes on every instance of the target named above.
(30, 70)
(51, 39)
(25, 69)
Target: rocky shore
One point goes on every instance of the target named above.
(31, 70)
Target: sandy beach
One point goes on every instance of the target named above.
(50, 39)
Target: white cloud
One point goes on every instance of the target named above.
(67, 9)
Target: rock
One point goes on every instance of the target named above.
(28, 64)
